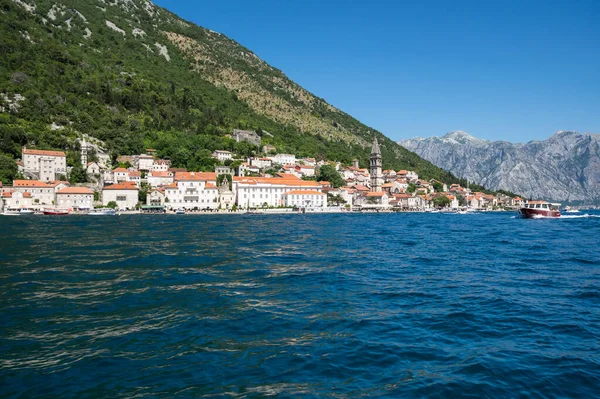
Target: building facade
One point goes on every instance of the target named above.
(124, 194)
(75, 197)
(45, 165)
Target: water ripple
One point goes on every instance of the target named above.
(344, 306)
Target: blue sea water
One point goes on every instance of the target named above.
(340, 305)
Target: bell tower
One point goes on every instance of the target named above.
(376, 176)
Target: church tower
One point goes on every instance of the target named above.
(376, 176)
(84, 150)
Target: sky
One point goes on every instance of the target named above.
(499, 70)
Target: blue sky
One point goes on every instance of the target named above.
(499, 70)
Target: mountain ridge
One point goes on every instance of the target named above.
(565, 167)
(136, 76)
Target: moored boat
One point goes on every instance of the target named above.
(180, 211)
(18, 212)
(102, 212)
(540, 209)
(57, 211)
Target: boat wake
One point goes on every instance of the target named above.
(586, 215)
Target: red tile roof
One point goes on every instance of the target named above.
(304, 192)
(44, 153)
(76, 190)
(128, 185)
(195, 176)
(31, 183)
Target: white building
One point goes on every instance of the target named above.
(124, 194)
(156, 197)
(261, 163)
(92, 168)
(193, 190)
(145, 162)
(43, 193)
(284, 159)
(45, 165)
(75, 197)
(222, 155)
(245, 169)
(16, 200)
(156, 179)
(305, 199)
(256, 192)
(161, 165)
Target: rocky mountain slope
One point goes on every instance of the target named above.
(136, 76)
(565, 167)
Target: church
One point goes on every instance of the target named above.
(376, 198)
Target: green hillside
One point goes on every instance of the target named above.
(137, 76)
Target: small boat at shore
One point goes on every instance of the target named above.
(180, 211)
(18, 212)
(102, 212)
(57, 211)
(540, 209)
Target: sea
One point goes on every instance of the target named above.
(300, 306)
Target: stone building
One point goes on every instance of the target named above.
(44, 165)
(376, 162)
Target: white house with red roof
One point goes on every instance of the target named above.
(256, 192)
(43, 193)
(125, 194)
(156, 197)
(157, 179)
(193, 190)
(45, 165)
(75, 197)
(161, 165)
(12, 200)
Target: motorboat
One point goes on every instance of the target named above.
(540, 209)
(17, 212)
(568, 209)
(102, 212)
(180, 211)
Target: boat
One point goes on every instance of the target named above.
(57, 211)
(102, 212)
(17, 212)
(180, 211)
(540, 209)
(568, 209)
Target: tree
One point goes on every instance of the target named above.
(441, 201)
(462, 201)
(8, 168)
(328, 173)
(335, 199)
(77, 174)
(111, 204)
(438, 187)
(411, 188)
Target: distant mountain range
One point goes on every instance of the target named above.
(565, 167)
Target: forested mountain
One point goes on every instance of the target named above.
(565, 167)
(136, 76)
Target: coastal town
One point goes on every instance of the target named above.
(271, 182)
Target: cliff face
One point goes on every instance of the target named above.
(565, 167)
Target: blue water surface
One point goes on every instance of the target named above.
(340, 305)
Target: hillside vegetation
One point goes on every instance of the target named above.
(137, 76)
